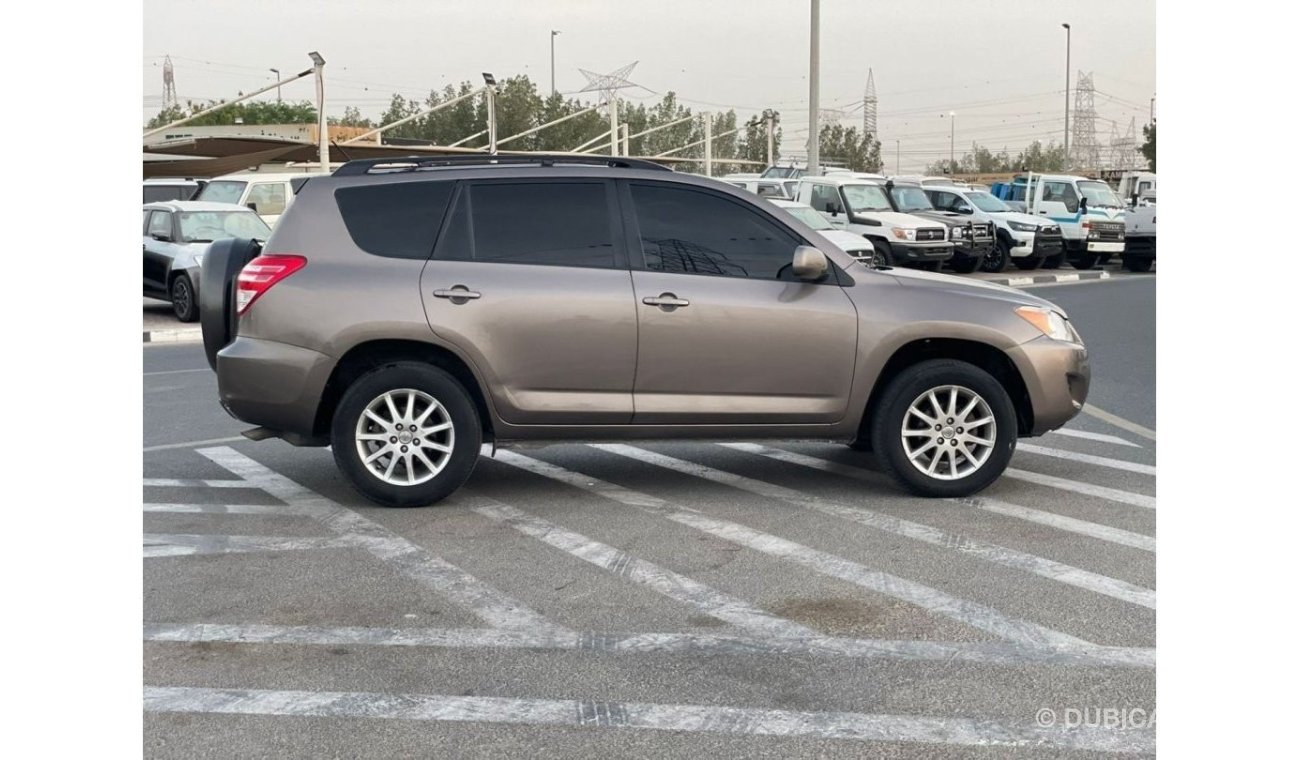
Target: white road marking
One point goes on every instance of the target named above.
(1061, 522)
(279, 510)
(817, 645)
(179, 371)
(1115, 464)
(672, 585)
(998, 555)
(416, 562)
(184, 544)
(194, 444)
(1087, 489)
(592, 714)
(1119, 422)
(189, 483)
(1095, 437)
(961, 610)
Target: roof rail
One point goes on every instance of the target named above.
(416, 163)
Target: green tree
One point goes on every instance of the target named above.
(253, 112)
(846, 147)
(1149, 147)
(351, 118)
(753, 146)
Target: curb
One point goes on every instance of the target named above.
(174, 335)
(1046, 279)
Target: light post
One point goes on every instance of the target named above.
(952, 142)
(898, 156)
(318, 66)
(491, 93)
(814, 55)
(1067, 96)
(277, 87)
(553, 33)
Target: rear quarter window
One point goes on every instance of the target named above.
(398, 220)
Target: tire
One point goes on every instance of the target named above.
(882, 247)
(1104, 259)
(929, 266)
(1055, 261)
(463, 437)
(1027, 263)
(966, 266)
(996, 259)
(1086, 261)
(1138, 263)
(912, 386)
(185, 303)
(861, 444)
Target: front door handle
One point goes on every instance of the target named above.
(457, 293)
(665, 301)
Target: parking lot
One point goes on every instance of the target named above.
(735, 599)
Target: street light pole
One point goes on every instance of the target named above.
(323, 152)
(553, 33)
(898, 156)
(490, 92)
(952, 142)
(277, 87)
(814, 56)
(1067, 96)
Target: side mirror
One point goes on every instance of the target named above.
(834, 209)
(161, 237)
(252, 206)
(962, 208)
(809, 263)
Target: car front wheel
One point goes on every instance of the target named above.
(944, 428)
(406, 434)
(184, 302)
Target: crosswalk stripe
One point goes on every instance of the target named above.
(592, 714)
(225, 509)
(1061, 522)
(707, 600)
(1087, 489)
(416, 562)
(961, 610)
(192, 483)
(999, 555)
(1102, 437)
(1114, 464)
(185, 544)
(640, 642)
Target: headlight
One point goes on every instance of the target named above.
(1022, 227)
(958, 232)
(1052, 324)
(903, 234)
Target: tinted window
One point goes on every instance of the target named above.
(159, 193)
(552, 223)
(693, 232)
(399, 219)
(268, 197)
(160, 224)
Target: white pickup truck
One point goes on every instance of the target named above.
(862, 207)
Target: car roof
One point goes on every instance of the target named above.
(196, 206)
(268, 177)
(843, 180)
(170, 181)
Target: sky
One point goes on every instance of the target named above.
(998, 65)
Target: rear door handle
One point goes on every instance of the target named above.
(665, 301)
(457, 294)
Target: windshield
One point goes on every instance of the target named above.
(986, 202)
(206, 226)
(809, 216)
(910, 198)
(866, 198)
(1099, 194)
(780, 172)
(224, 191)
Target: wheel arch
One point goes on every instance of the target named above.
(983, 355)
(369, 355)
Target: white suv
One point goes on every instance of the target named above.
(268, 195)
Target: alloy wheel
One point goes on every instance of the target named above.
(405, 437)
(948, 432)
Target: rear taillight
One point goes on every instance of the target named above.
(260, 274)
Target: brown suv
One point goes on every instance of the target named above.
(408, 310)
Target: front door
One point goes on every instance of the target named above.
(530, 280)
(727, 334)
(159, 250)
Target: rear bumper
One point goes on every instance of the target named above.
(1057, 375)
(274, 385)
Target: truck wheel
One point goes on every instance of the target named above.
(882, 248)
(1103, 259)
(944, 428)
(1137, 263)
(1027, 263)
(996, 259)
(1085, 261)
(966, 266)
(1054, 262)
(406, 434)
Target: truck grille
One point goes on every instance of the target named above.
(929, 234)
(982, 232)
(1110, 231)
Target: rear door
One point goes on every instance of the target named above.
(530, 280)
(727, 334)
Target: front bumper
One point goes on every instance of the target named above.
(906, 251)
(971, 248)
(1057, 375)
(274, 385)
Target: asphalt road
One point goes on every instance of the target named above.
(662, 600)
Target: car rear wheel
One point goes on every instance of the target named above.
(944, 428)
(184, 304)
(406, 435)
(1138, 264)
(996, 259)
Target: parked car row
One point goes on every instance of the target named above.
(176, 237)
